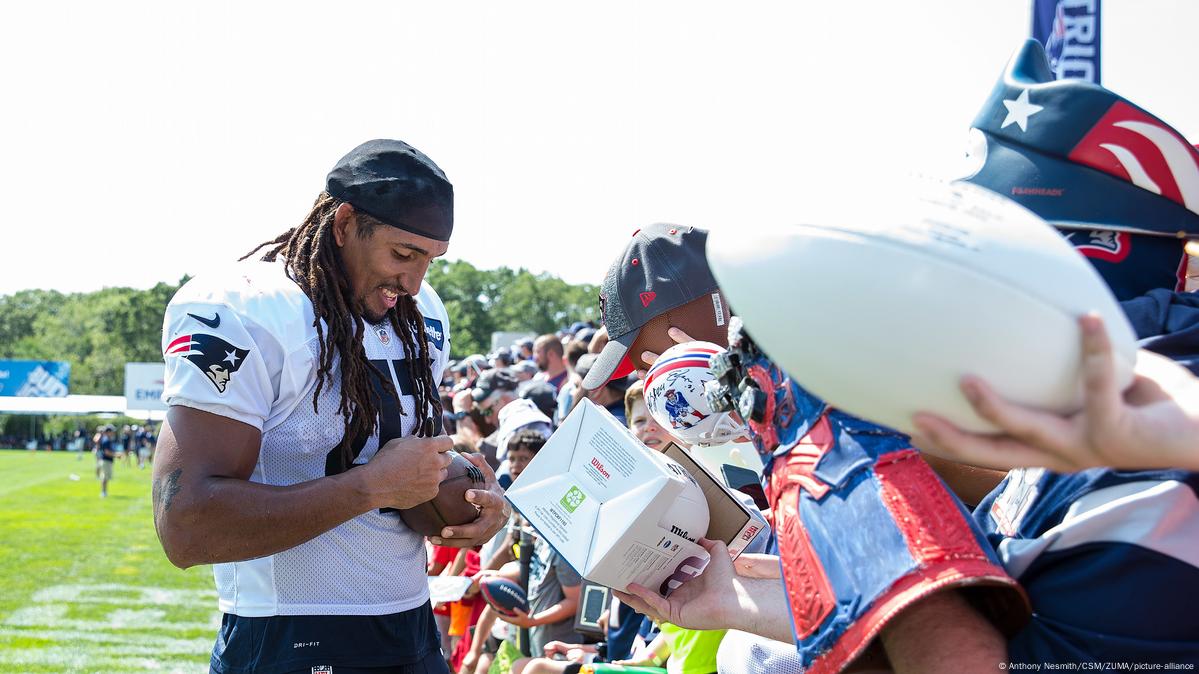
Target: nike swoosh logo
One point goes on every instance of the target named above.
(213, 322)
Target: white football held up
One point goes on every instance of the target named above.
(882, 309)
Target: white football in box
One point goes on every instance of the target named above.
(617, 511)
(883, 305)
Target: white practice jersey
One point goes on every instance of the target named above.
(242, 344)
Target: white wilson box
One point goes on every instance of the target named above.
(621, 513)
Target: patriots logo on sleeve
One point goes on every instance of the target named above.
(215, 357)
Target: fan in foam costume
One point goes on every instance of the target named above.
(865, 527)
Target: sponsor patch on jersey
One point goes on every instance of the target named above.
(435, 333)
(215, 357)
(322, 669)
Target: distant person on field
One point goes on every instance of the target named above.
(96, 438)
(145, 446)
(105, 454)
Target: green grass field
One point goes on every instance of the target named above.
(84, 585)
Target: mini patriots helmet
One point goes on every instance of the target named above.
(674, 395)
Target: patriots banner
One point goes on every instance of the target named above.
(34, 378)
(1069, 29)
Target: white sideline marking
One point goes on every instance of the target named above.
(104, 593)
(134, 642)
(72, 660)
(55, 615)
(129, 637)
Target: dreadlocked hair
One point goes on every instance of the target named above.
(314, 262)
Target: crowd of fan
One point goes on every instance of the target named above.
(129, 440)
(506, 405)
(61, 441)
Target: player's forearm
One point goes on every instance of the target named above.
(220, 519)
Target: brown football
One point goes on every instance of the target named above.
(450, 506)
(705, 318)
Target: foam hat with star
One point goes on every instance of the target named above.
(1081, 156)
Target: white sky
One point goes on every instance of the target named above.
(143, 140)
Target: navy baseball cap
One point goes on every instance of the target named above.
(387, 180)
(664, 266)
(491, 381)
(1121, 184)
(541, 394)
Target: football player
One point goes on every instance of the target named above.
(303, 410)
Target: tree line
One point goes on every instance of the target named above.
(98, 332)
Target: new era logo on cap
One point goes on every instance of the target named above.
(664, 266)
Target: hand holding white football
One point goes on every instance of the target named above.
(882, 309)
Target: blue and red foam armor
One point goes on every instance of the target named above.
(865, 528)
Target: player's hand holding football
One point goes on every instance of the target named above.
(1152, 424)
(408, 471)
(494, 512)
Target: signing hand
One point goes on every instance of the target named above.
(1152, 424)
(494, 512)
(408, 471)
